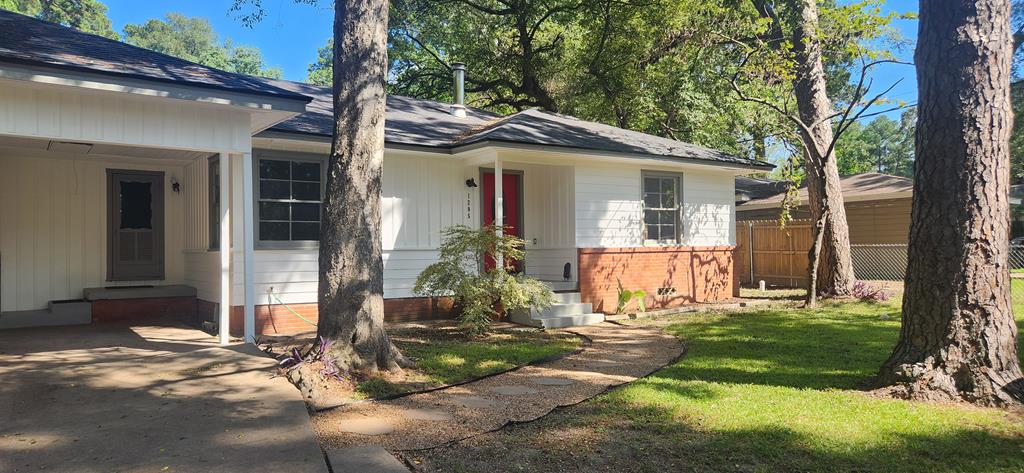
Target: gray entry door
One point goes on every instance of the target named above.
(135, 225)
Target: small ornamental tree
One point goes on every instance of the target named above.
(481, 294)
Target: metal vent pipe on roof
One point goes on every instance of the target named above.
(459, 75)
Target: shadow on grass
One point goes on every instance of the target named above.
(758, 391)
(612, 436)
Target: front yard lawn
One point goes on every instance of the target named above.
(772, 390)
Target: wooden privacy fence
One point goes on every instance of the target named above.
(777, 256)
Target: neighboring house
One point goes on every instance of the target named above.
(124, 172)
(877, 206)
(751, 188)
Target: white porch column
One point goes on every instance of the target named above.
(499, 207)
(224, 324)
(250, 250)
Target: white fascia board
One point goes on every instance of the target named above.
(275, 109)
(542, 152)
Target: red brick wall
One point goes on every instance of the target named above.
(698, 274)
(158, 308)
(277, 319)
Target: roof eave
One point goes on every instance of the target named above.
(497, 143)
(83, 77)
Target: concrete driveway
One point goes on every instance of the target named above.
(108, 398)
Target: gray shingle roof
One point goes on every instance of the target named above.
(410, 122)
(27, 40)
(417, 122)
(750, 188)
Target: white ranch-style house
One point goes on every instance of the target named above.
(134, 184)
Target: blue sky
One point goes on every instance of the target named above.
(291, 33)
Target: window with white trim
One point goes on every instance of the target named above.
(289, 194)
(661, 192)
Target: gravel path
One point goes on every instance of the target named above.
(618, 355)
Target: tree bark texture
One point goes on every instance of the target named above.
(835, 272)
(351, 290)
(958, 340)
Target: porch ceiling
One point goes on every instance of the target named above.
(61, 148)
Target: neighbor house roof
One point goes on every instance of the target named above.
(858, 187)
(416, 122)
(29, 41)
(750, 188)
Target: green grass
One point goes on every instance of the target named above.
(447, 357)
(774, 390)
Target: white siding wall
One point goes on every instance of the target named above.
(53, 234)
(422, 195)
(709, 210)
(32, 110)
(588, 206)
(609, 209)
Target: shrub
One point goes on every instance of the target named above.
(869, 293)
(477, 293)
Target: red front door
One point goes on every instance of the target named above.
(511, 190)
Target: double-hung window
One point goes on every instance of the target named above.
(289, 195)
(661, 196)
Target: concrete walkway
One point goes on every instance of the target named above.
(146, 399)
(618, 355)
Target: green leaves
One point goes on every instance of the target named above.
(626, 296)
(89, 16)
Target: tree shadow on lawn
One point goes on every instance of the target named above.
(758, 391)
(609, 436)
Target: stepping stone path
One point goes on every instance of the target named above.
(546, 381)
(435, 415)
(473, 402)
(364, 459)
(365, 426)
(513, 390)
(418, 421)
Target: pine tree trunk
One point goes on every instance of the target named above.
(351, 291)
(958, 339)
(835, 271)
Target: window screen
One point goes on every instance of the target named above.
(290, 194)
(136, 201)
(661, 207)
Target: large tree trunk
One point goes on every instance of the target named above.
(351, 292)
(834, 276)
(958, 339)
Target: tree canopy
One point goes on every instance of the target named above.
(193, 39)
(89, 16)
(882, 145)
(658, 66)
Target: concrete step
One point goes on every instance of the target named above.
(557, 310)
(59, 313)
(562, 285)
(571, 320)
(568, 298)
(138, 292)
